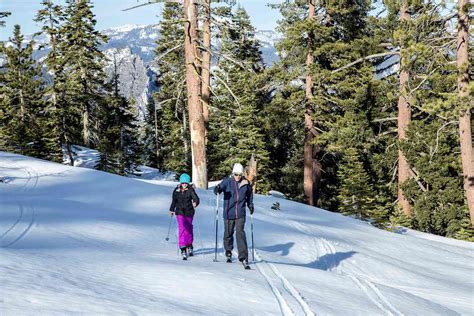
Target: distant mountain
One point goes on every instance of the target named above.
(141, 41)
(136, 79)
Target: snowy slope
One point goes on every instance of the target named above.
(75, 240)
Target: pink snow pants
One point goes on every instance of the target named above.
(185, 230)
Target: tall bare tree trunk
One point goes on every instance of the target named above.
(85, 126)
(251, 172)
(465, 133)
(404, 118)
(197, 127)
(311, 173)
(22, 102)
(157, 144)
(184, 139)
(206, 62)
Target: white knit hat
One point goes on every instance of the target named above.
(238, 169)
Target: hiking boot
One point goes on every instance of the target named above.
(245, 263)
(190, 250)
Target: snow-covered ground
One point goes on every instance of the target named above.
(79, 241)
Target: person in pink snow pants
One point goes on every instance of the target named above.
(183, 203)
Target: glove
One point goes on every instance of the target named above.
(251, 208)
(171, 213)
(217, 188)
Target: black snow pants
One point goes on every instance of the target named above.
(238, 225)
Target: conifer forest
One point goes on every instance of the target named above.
(366, 112)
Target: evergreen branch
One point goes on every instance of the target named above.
(421, 109)
(431, 40)
(167, 52)
(151, 2)
(215, 53)
(416, 177)
(385, 119)
(365, 58)
(393, 131)
(228, 88)
(395, 169)
(180, 90)
(166, 101)
(448, 17)
(437, 137)
(423, 81)
(391, 145)
(329, 100)
(219, 23)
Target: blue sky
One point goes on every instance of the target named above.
(109, 14)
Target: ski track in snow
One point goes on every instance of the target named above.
(26, 215)
(20, 229)
(282, 302)
(281, 286)
(329, 249)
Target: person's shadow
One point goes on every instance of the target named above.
(330, 261)
(326, 262)
(283, 248)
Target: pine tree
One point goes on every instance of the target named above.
(117, 131)
(2, 24)
(282, 119)
(235, 131)
(22, 105)
(51, 16)
(152, 136)
(435, 187)
(83, 63)
(355, 192)
(284, 115)
(171, 120)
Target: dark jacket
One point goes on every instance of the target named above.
(237, 195)
(182, 203)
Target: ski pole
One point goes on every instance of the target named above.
(251, 232)
(217, 225)
(169, 228)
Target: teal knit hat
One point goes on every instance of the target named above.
(185, 178)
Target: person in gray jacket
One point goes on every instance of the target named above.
(237, 196)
